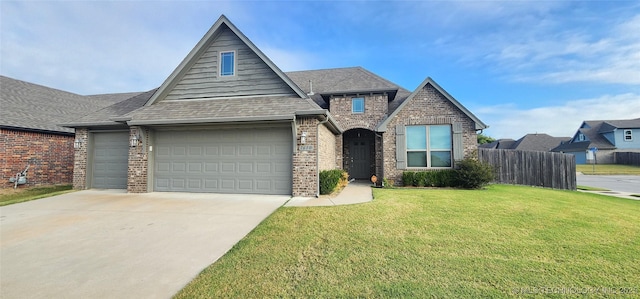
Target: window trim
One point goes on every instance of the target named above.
(581, 137)
(625, 135)
(428, 150)
(235, 63)
(353, 101)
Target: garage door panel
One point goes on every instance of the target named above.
(226, 161)
(110, 160)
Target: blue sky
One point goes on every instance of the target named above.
(520, 66)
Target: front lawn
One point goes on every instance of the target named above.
(10, 196)
(608, 169)
(417, 243)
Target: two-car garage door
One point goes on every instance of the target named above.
(224, 160)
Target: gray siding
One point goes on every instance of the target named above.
(253, 76)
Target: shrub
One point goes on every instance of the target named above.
(407, 178)
(431, 178)
(473, 174)
(330, 179)
(388, 183)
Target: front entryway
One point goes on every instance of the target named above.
(359, 153)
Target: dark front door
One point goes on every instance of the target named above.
(359, 150)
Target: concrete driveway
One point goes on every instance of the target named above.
(109, 244)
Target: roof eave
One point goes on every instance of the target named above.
(216, 120)
(324, 115)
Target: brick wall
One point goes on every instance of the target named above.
(137, 173)
(376, 107)
(50, 157)
(80, 161)
(426, 108)
(305, 168)
(327, 149)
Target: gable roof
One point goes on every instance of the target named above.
(321, 84)
(201, 47)
(478, 123)
(109, 116)
(593, 131)
(29, 106)
(538, 142)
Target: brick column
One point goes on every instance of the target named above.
(305, 166)
(80, 160)
(138, 161)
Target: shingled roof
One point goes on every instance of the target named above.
(320, 84)
(29, 106)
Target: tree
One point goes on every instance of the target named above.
(482, 139)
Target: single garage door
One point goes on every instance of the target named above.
(110, 158)
(250, 161)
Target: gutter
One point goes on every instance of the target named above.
(211, 120)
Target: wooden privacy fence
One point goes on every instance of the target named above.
(542, 169)
(627, 158)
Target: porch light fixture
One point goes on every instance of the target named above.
(77, 143)
(134, 140)
(303, 138)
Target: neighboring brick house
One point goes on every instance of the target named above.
(30, 133)
(606, 136)
(228, 120)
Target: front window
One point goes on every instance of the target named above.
(429, 146)
(357, 105)
(627, 135)
(227, 63)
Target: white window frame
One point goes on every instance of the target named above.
(581, 137)
(625, 135)
(353, 100)
(235, 63)
(428, 148)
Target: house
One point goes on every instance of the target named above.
(530, 142)
(604, 137)
(228, 120)
(30, 133)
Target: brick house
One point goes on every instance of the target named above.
(228, 120)
(30, 133)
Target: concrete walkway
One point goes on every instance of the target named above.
(354, 193)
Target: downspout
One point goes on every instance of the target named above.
(326, 119)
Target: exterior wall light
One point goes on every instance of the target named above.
(303, 138)
(77, 143)
(134, 140)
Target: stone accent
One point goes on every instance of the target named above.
(137, 174)
(80, 161)
(50, 157)
(327, 149)
(426, 108)
(305, 167)
(376, 107)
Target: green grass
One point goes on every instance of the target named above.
(10, 197)
(608, 169)
(418, 243)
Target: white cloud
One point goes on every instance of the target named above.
(509, 121)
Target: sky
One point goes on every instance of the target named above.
(520, 66)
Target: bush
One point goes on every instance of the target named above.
(473, 174)
(330, 179)
(432, 178)
(407, 178)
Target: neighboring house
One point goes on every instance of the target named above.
(30, 133)
(607, 136)
(530, 142)
(228, 120)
